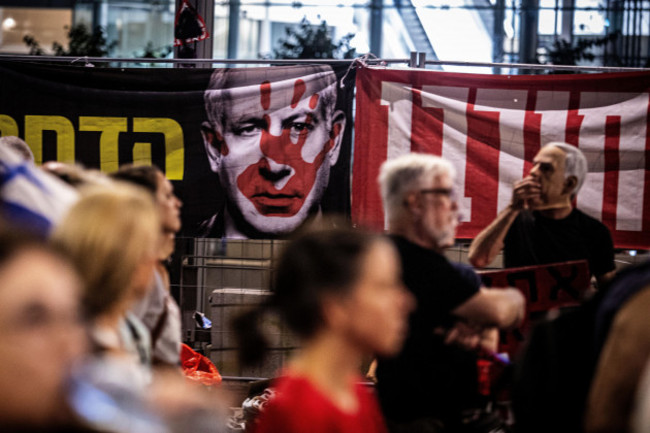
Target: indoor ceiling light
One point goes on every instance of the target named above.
(8, 24)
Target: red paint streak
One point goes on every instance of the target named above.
(482, 173)
(371, 127)
(573, 119)
(418, 127)
(610, 193)
(298, 90)
(265, 95)
(426, 129)
(220, 143)
(313, 101)
(646, 190)
(532, 132)
(255, 184)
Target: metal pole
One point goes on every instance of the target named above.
(422, 60)
(556, 13)
(568, 11)
(528, 31)
(626, 35)
(499, 33)
(632, 33)
(370, 62)
(638, 34)
(205, 48)
(376, 22)
(97, 15)
(607, 31)
(233, 28)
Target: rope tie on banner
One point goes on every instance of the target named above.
(360, 62)
(87, 64)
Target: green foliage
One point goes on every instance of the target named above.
(34, 48)
(81, 42)
(151, 52)
(564, 53)
(313, 42)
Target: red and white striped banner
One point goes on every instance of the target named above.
(491, 126)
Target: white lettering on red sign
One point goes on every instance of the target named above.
(609, 127)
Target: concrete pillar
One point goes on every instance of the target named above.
(498, 32)
(528, 31)
(233, 28)
(567, 19)
(376, 22)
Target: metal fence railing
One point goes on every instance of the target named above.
(417, 60)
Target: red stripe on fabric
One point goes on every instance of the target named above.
(636, 239)
(646, 183)
(426, 129)
(483, 144)
(371, 128)
(532, 131)
(612, 142)
(418, 122)
(573, 119)
(482, 170)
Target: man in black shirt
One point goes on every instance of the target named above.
(431, 380)
(540, 225)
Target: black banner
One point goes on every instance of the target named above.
(252, 152)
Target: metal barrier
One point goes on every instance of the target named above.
(222, 278)
(417, 60)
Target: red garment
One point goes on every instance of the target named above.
(299, 407)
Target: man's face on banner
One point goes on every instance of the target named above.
(274, 150)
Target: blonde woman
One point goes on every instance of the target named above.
(112, 234)
(158, 310)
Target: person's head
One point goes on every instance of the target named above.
(19, 145)
(419, 198)
(161, 189)
(560, 168)
(272, 144)
(41, 331)
(345, 282)
(74, 174)
(112, 236)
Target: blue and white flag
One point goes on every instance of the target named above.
(31, 199)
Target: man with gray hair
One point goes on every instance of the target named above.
(540, 225)
(433, 380)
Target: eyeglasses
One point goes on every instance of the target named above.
(449, 192)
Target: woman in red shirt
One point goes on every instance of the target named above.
(340, 291)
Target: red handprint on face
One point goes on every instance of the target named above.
(279, 183)
(265, 95)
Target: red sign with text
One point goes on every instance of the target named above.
(545, 287)
(491, 126)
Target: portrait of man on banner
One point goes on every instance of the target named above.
(272, 136)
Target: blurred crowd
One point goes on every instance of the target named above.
(91, 336)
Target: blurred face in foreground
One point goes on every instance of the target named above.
(41, 335)
(375, 313)
(439, 213)
(168, 204)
